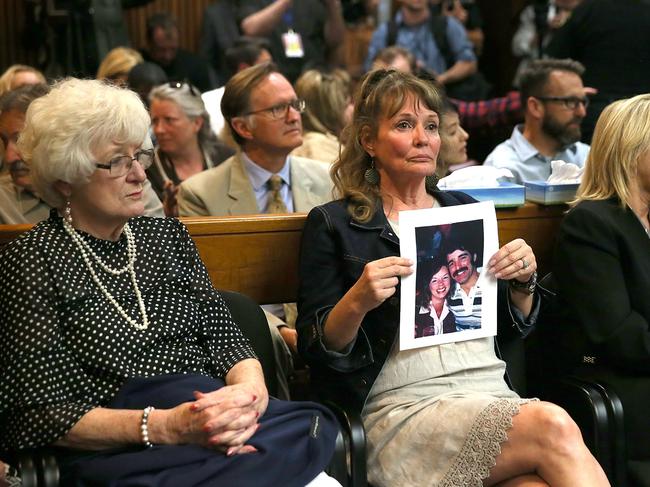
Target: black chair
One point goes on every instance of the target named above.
(38, 468)
(593, 405)
(348, 465)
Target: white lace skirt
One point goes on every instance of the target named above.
(444, 430)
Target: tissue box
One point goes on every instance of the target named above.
(550, 194)
(505, 195)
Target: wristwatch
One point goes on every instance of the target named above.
(527, 287)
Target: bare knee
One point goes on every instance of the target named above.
(555, 430)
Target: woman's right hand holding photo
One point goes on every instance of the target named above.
(377, 283)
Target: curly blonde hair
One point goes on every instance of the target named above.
(381, 94)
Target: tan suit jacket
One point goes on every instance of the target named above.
(227, 190)
(24, 207)
(20, 206)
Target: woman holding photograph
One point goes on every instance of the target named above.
(447, 405)
(433, 317)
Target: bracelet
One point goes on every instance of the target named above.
(527, 287)
(144, 426)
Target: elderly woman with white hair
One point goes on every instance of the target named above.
(186, 143)
(117, 350)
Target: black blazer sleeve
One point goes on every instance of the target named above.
(322, 271)
(602, 268)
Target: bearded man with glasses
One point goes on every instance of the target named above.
(263, 113)
(555, 104)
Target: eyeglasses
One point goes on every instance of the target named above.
(569, 102)
(281, 110)
(178, 85)
(121, 165)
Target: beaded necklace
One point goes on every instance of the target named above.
(85, 250)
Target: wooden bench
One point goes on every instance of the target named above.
(257, 255)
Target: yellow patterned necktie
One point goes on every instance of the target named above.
(276, 203)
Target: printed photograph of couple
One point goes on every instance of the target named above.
(448, 293)
(451, 296)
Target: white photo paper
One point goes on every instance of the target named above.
(450, 297)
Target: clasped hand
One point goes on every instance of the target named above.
(224, 419)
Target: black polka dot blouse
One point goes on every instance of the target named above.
(64, 347)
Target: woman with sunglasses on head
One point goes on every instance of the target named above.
(117, 350)
(441, 415)
(186, 145)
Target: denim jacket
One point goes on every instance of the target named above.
(334, 250)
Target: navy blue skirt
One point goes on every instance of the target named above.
(295, 442)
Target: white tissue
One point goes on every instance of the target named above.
(564, 173)
(475, 177)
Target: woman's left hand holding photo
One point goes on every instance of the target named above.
(515, 260)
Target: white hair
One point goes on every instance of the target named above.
(76, 118)
(188, 99)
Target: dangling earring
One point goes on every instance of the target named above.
(67, 212)
(431, 182)
(371, 175)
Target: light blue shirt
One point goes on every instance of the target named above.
(259, 178)
(526, 163)
(418, 39)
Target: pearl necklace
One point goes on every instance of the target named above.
(85, 249)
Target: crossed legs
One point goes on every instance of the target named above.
(545, 448)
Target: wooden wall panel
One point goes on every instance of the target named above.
(500, 18)
(12, 22)
(189, 15)
(188, 12)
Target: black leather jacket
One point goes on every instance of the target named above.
(334, 250)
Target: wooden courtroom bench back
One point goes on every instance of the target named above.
(257, 255)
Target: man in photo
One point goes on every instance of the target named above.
(465, 299)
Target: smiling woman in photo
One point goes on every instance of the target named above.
(433, 317)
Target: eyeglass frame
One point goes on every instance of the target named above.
(298, 104)
(567, 101)
(135, 157)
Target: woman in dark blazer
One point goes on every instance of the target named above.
(450, 397)
(602, 268)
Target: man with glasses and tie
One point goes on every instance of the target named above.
(263, 113)
(555, 104)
